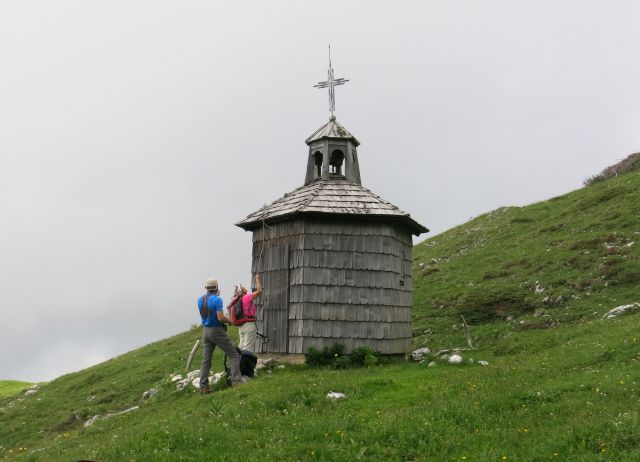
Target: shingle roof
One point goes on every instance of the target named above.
(332, 129)
(336, 196)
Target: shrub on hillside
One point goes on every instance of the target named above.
(333, 356)
(631, 162)
(481, 305)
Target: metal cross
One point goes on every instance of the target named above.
(330, 83)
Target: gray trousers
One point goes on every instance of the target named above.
(212, 336)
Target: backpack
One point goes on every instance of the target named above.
(248, 362)
(238, 314)
(235, 311)
(204, 309)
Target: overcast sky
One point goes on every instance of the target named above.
(133, 135)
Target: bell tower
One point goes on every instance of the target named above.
(332, 154)
(332, 149)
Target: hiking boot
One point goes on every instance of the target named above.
(205, 390)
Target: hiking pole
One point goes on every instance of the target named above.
(264, 338)
(192, 354)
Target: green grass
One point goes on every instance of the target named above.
(12, 387)
(562, 387)
(582, 248)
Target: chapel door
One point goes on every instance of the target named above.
(273, 309)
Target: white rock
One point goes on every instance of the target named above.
(420, 353)
(432, 364)
(215, 378)
(30, 391)
(455, 359)
(196, 382)
(182, 384)
(262, 363)
(175, 377)
(483, 363)
(91, 421)
(336, 395)
(124, 412)
(281, 366)
(617, 311)
(192, 375)
(149, 393)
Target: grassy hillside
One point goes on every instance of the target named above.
(561, 386)
(12, 387)
(573, 256)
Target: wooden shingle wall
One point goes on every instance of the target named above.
(326, 281)
(270, 257)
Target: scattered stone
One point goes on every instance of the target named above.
(192, 375)
(419, 354)
(281, 366)
(550, 301)
(617, 311)
(91, 421)
(149, 393)
(215, 378)
(421, 265)
(538, 289)
(455, 359)
(175, 377)
(30, 391)
(538, 312)
(483, 363)
(262, 363)
(124, 412)
(432, 364)
(196, 382)
(182, 384)
(336, 395)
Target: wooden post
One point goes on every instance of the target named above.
(466, 333)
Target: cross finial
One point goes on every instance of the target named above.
(330, 83)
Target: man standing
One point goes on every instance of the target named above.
(248, 329)
(215, 333)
